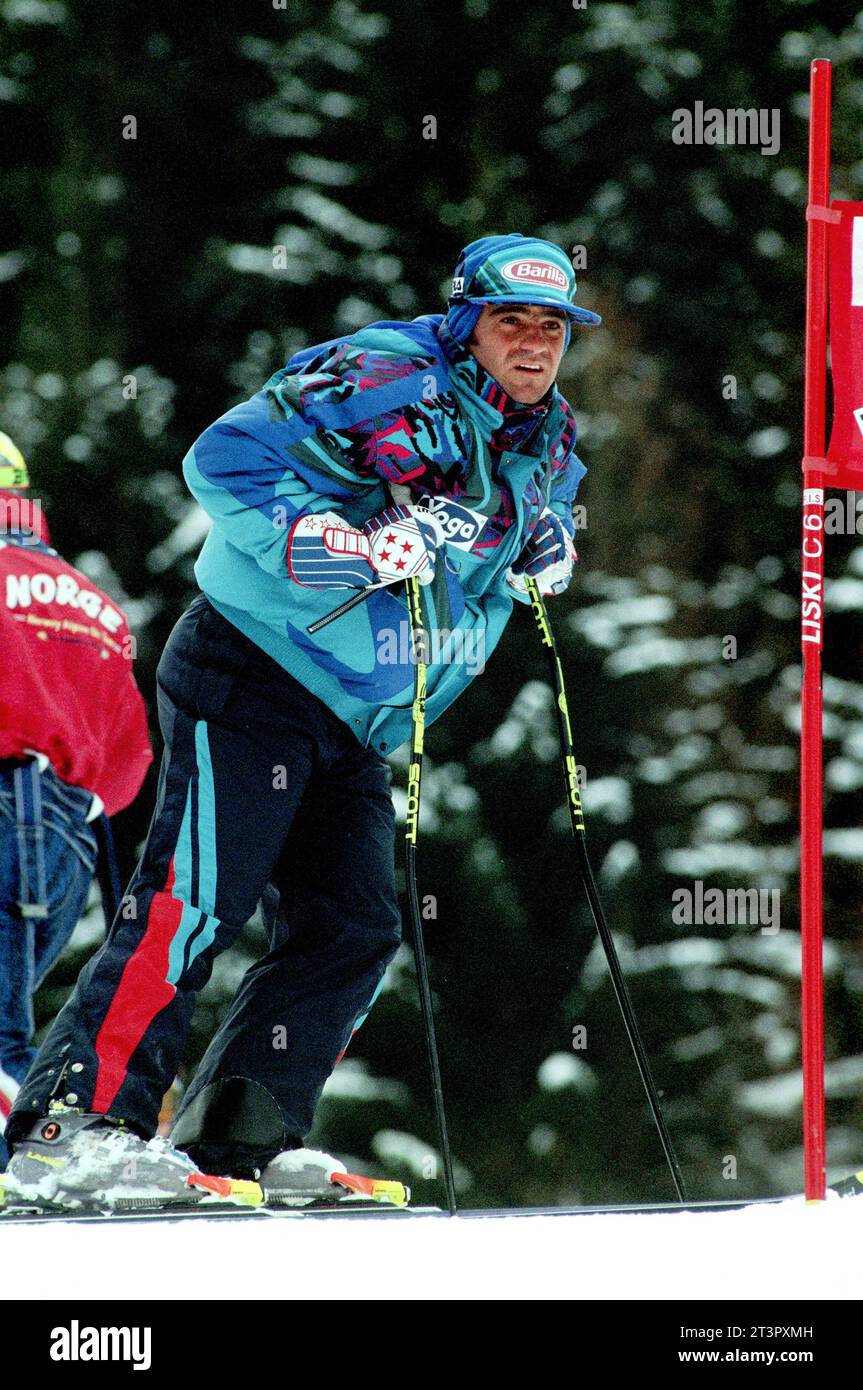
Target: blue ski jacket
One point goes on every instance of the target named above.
(394, 405)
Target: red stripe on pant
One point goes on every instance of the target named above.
(142, 993)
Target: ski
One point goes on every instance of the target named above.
(847, 1188)
(30, 1216)
(210, 1195)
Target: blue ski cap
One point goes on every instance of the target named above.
(512, 269)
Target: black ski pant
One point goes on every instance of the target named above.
(263, 794)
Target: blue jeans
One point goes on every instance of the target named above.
(47, 860)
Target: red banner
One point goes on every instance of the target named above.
(846, 345)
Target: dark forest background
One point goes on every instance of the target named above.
(140, 300)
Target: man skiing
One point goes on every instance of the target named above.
(438, 449)
(73, 744)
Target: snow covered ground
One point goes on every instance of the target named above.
(793, 1251)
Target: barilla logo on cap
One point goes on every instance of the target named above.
(537, 273)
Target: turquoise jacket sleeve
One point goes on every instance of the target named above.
(308, 441)
(566, 471)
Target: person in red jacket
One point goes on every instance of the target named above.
(74, 745)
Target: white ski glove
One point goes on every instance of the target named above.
(325, 552)
(404, 541)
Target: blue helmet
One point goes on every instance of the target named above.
(512, 269)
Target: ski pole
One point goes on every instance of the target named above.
(576, 817)
(418, 637)
(399, 495)
(359, 597)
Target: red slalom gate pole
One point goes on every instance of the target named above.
(811, 629)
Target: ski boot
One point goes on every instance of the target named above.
(72, 1161)
(297, 1177)
(305, 1178)
(235, 1123)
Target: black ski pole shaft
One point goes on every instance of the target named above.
(359, 597)
(400, 495)
(418, 639)
(576, 816)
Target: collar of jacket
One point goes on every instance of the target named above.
(510, 423)
(25, 540)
